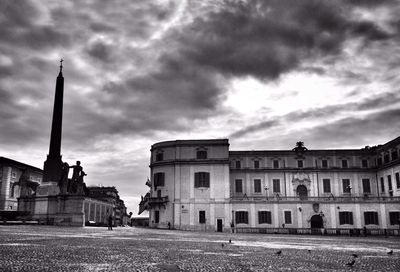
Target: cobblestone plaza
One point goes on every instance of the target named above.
(45, 248)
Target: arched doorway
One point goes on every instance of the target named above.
(302, 191)
(317, 222)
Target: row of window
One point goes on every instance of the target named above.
(345, 218)
(202, 179)
(200, 155)
(276, 186)
(300, 164)
(386, 157)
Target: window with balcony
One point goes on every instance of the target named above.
(256, 164)
(202, 217)
(327, 185)
(366, 186)
(257, 186)
(324, 163)
(264, 217)
(346, 185)
(276, 164)
(288, 217)
(159, 156)
(276, 186)
(364, 163)
(371, 218)
(238, 186)
(156, 217)
(345, 164)
(395, 155)
(201, 179)
(386, 158)
(238, 165)
(201, 154)
(394, 218)
(242, 217)
(389, 179)
(345, 218)
(300, 163)
(159, 179)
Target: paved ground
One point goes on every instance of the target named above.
(43, 248)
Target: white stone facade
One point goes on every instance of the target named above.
(201, 185)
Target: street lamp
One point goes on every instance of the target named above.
(266, 192)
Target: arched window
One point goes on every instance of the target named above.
(302, 191)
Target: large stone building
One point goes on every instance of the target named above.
(202, 185)
(16, 178)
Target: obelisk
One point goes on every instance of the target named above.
(53, 164)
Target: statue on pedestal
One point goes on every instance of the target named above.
(64, 181)
(26, 185)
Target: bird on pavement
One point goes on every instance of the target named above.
(390, 252)
(351, 263)
(279, 252)
(355, 255)
(222, 245)
(230, 241)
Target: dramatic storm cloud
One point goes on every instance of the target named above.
(263, 73)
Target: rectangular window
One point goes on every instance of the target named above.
(386, 158)
(379, 161)
(276, 186)
(300, 163)
(276, 164)
(237, 165)
(288, 217)
(345, 218)
(264, 217)
(382, 185)
(159, 179)
(327, 185)
(202, 217)
(394, 155)
(238, 186)
(366, 186)
(11, 189)
(201, 154)
(394, 218)
(344, 164)
(242, 217)
(397, 180)
(346, 185)
(201, 179)
(364, 163)
(257, 186)
(159, 156)
(389, 179)
(324, 163)
(256, 164)
(156, 216)
(371, 218)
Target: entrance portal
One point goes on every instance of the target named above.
(302, 191)
(317, 222)
(219, 225)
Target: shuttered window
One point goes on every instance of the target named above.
(371, 218)
(159, 179)
(242, 217)
(201, 179)
(345, 218)
(264, 217)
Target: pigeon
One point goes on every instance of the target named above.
(355, 255)
(279, 252)
(222, 245)
(309, 251)
(351, 263)
(230, 241)
(390, 252)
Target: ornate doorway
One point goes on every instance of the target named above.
(302, 191)
(317, 222)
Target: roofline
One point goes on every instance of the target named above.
(4, 160)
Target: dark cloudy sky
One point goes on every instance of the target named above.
(265, 74)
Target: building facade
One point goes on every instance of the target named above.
(202, 185)
(16, 179)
